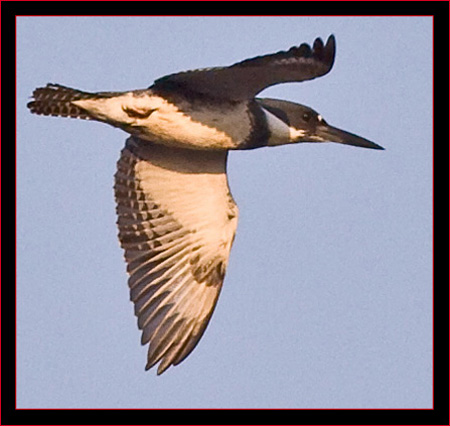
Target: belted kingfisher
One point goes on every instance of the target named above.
(176, 216)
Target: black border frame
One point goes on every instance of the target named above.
(439, 415)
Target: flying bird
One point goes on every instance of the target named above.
(176, 216)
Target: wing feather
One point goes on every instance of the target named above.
(176, 222)
(245, 79)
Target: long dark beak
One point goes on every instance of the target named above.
(327, 133)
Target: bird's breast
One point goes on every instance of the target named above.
(201, 126)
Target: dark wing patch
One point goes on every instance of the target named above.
(245, 79)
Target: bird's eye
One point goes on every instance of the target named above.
(306, 116)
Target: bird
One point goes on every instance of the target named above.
(176, 216)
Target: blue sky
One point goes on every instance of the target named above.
(327, 302)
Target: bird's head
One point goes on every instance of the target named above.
(306, 125)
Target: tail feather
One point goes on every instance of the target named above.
(56, 100)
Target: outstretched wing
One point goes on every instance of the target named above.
(176, 222)
(246, 79)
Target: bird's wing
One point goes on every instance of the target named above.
(244, 80)
(177, 222)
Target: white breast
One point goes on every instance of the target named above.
(279, 130)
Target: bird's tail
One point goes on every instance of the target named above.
(56, 100)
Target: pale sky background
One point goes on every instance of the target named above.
(327, 301)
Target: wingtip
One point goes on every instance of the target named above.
(325, 52)
(330, 50)
(162, 367)
(331, 40)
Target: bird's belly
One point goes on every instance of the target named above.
(203, 128)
